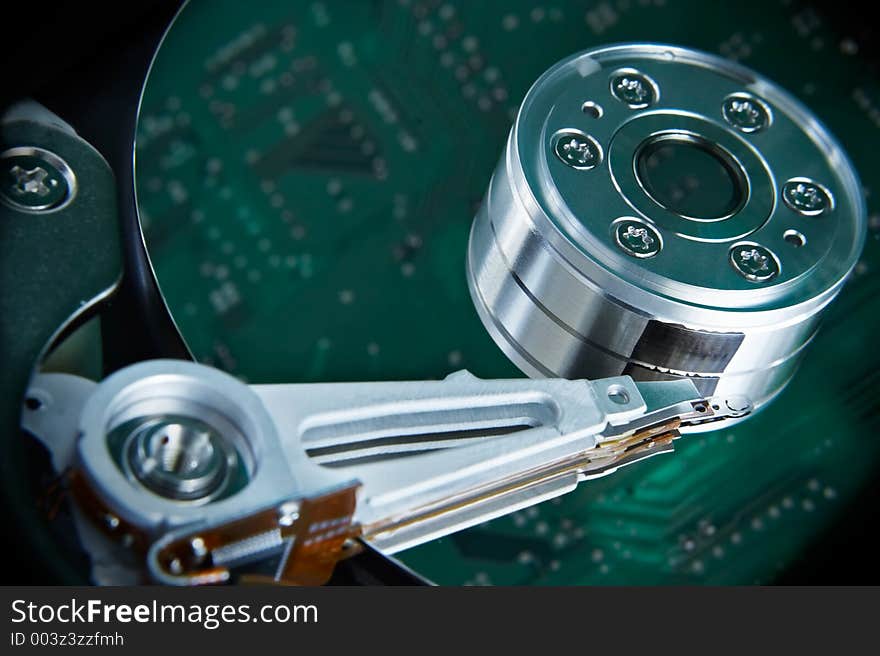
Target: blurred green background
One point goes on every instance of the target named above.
(307, 173)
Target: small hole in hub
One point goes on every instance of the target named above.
(33, 403)
(593, 110)
(794, 238)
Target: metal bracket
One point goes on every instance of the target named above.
(315, 465)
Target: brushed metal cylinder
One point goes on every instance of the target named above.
(730, 300)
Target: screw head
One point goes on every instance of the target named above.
(807, 197)
(754, 262)
(637, 238)
(746, 113)
(34, 180)
(578, 150)
(180, 458)
(634, 89)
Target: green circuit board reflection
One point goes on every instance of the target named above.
(307, 174)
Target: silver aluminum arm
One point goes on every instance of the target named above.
(204, 472)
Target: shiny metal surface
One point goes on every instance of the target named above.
(427, 457)
(179, 457)
(570, 285)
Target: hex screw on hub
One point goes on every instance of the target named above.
(578, 150)
(637, 239)
(745, 113)
(634, 89)
(806, 197)
(754, 262)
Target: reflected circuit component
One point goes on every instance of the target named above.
(348, 262)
